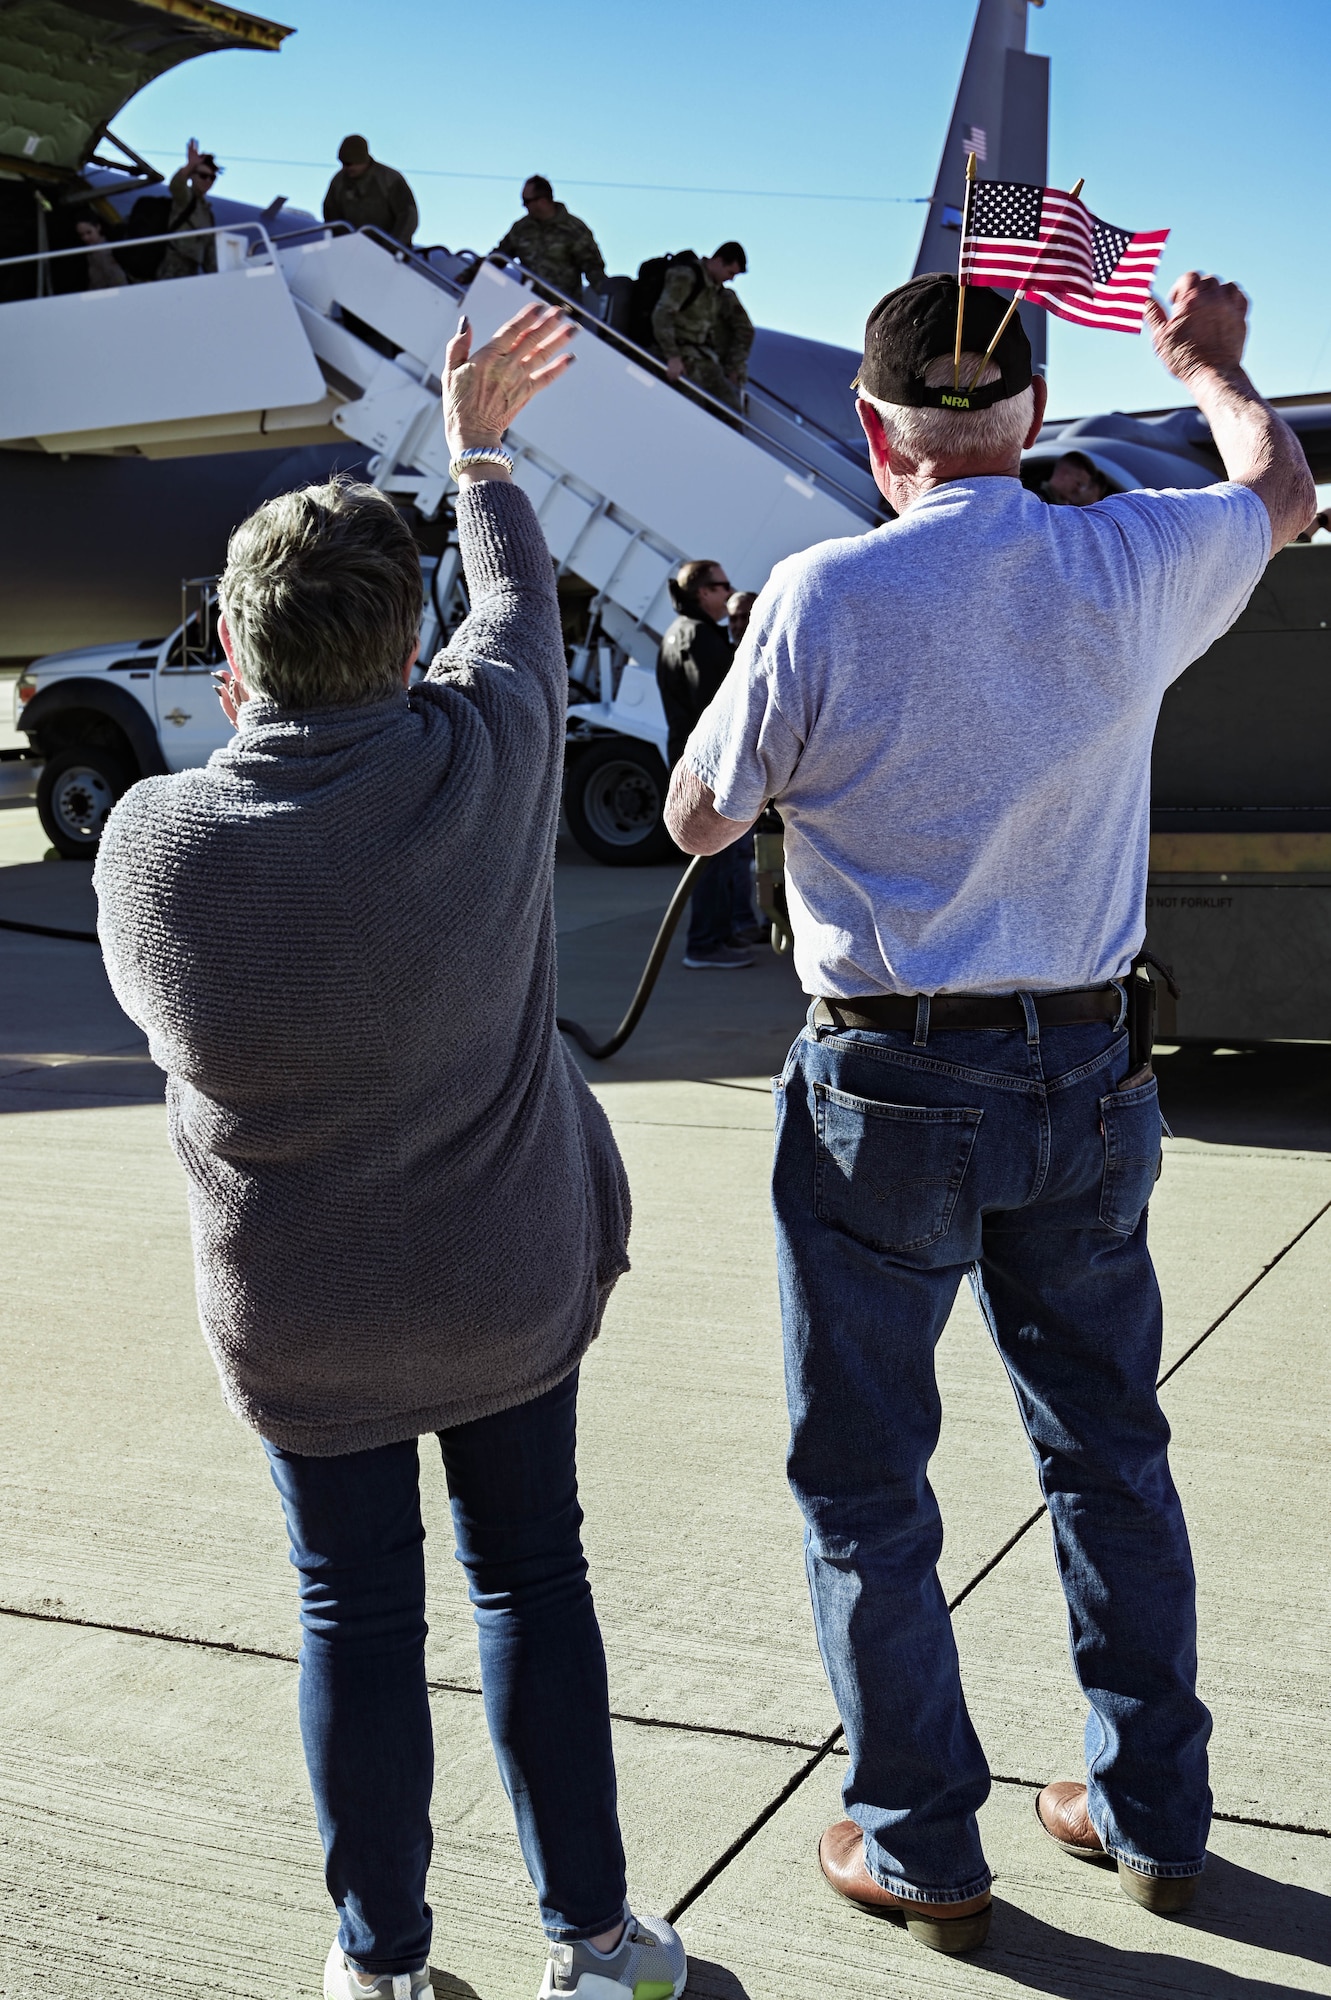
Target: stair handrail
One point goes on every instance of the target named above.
(642, 358)
(131, 242)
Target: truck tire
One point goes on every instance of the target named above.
(76, 790)
(614, 799)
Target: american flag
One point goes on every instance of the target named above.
(1015, 230)
(1124, 266)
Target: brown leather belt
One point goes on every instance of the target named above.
(879, 1011)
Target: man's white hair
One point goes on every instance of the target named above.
(978, 435)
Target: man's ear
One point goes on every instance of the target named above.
(872, 426)
(1041, 391)
(886, 459)
(409, 663)
(229, 648)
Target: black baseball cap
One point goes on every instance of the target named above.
(917, 323)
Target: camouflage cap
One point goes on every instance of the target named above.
(917, 324)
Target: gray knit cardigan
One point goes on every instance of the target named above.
(407, 1207)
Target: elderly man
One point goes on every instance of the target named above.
(368, 195)
(408, 1210)
(551, 243)
(954, 714)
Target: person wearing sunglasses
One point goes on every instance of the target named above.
(693, 660)
(188, 255)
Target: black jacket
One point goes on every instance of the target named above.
(693, 661)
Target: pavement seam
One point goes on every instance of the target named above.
(825, 1749)
(1230, 1819)
(755, 1827)
(1233, 1305)
(435, 1686)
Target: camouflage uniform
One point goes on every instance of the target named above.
(188, 256)
(562, 250)
(697, 330)
(734, 335)
(377, 199)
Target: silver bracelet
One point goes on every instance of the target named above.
(480, 454)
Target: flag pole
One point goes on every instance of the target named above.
(1073, 192)
(961, 268)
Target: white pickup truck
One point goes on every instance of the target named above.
(99, 719)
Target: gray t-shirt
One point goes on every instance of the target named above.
(954, 714)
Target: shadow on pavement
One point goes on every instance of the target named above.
(697, 1024)
(1040, 1958)
(65, 1045)
(709, 1981)
(64, 1041)
(1237, 1903)
(447, 1986)
(1270, 1094)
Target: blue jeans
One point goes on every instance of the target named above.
(358, 1545)
(1009, 1156)
(722, 903)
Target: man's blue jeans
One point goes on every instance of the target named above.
(1009, 1156)
(358, 1545)
(722, 903)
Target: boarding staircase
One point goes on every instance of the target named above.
(335, 332)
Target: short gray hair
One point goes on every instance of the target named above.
(322, 596)
(981, 435)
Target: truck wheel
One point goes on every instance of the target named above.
(76, 790)
(614, 797)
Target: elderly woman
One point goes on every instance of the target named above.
(408, 1210)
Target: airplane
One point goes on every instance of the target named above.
(98, 536)
(132, 432)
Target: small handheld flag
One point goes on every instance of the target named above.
(1124, 267)
(1015, 227)
(1047, 247)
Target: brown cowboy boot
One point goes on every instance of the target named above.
(1061, 1811)
(950, 1927)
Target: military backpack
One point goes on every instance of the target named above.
(150, 216)
(647, 289)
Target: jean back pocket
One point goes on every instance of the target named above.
(1130, 1120)
(889, 1174)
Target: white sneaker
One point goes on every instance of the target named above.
(341, 1983)
(648, 1963)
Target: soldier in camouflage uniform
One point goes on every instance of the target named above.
(696, 328)
(551, 243)
(734, 337)
(368, 195)
(191, 256)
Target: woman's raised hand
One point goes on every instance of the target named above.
(484, 391)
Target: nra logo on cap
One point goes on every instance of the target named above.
(951, 402)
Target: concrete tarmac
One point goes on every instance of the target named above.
(157, 1829)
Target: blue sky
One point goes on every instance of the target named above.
(1204, 116)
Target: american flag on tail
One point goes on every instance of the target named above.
(1047, 246)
